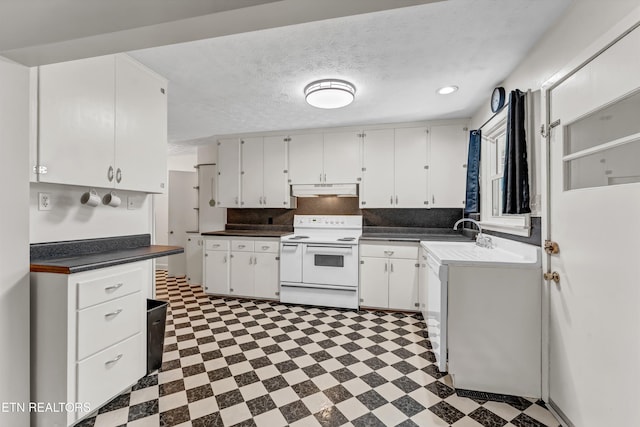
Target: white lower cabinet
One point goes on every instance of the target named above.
(389, 275)
(88, 337)
(247, 267)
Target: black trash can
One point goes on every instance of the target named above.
(156, 320)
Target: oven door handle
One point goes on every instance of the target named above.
(330, 250)
(329, 287)
(290, 245)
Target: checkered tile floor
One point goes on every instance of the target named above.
(230, 362)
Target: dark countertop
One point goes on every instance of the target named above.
(74, 256)
(412, 234)
(80, 263)
(248, 233)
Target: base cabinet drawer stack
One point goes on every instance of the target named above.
(389, 275)
(244, 267)
(87, 336)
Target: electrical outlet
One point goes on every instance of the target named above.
(44, 201)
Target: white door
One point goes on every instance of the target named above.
(216, 272)
(141, 128)
(594, 340)
(410, 168)
(251, 173)
(403, 284)
(447, 166)
(276, 187)
(242, 274)
(76, 122)
(341, 158)
(266, 275)
(228, 173)
(305, 159)
(182, 216)
(377, 190)
(374, 282)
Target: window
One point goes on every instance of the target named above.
(492, 168)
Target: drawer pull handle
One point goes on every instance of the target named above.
(113, 313)
(113, 287)
(264, 248)
(215, 246)
(388, 253)
(241, 246)
(114, 360)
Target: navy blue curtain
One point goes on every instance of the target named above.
(472, 198)
(515, 182)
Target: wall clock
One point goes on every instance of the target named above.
(497, 99)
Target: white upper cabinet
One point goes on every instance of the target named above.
(98, 118)
(330, 158)
(410, 168)
(448, 177)
(252, 154)
(341, 158)
(305, 159)
(377, 189)
(77, 121)
(394, 164)
(141, 128)
(275, 182)
(264, 173)
(228, 173)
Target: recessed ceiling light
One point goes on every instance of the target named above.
(329, 93)
(446, 90)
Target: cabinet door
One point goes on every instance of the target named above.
(403, 284)
(266, 275)
(251, 173)
(228, 173)
(377, 161)
(216, 272)
(193, 253)
(410, 168)
(341, 158)
(447, 172)
(141, 128)
(276, 187)
(422, 282)
(76, 115)
(305, 159)
(242, 274)
(374, 282)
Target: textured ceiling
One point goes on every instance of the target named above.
(253, 82)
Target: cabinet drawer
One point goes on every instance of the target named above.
(105, 374)
(216, 245)
(95, 288)
(267, 246)
(105, 324)
(242, 245)
(408, 251)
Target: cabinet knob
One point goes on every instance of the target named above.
(110, 174)
(118, 175)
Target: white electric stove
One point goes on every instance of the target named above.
(319, 261)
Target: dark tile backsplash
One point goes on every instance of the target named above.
(534, 239)
(423, 218)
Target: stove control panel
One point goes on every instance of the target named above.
(328, 221)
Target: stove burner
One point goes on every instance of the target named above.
(346, 239)
(298, 237)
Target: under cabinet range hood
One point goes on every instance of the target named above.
(314, 190)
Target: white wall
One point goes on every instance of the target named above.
(70, 220)
(14, 240)
(583, 22)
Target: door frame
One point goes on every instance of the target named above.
(606, 40)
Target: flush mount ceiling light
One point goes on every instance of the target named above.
(446, 90)
(329, 93)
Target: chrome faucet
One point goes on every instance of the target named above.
(481, 240)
